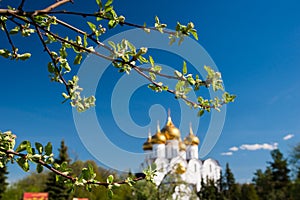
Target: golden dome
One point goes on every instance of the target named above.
(170, 131)
(158, 138)
(191, 139)
(180, 168)
(182, 146)
(148, 145)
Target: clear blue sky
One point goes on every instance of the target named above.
(255, 45)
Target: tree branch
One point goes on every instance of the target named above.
(8, 37)
(53, 6)
(139, 71)
(62, 174)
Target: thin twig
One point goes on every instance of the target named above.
(53, 6)
(53, 60)
(161, 74)
(98, 14)
(83, 33)
(8, 37)
(21, 5)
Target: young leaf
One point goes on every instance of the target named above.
(14, 30)
(200, 113)
(23, 146)
(99, 2)
(48, 149)
(151, 61)
(39, 147)
(194, 33)
(110, 194)
(108, 3)
(110, 179)
(39, 168)
(24, 56)
(92, 26)
(23, 163)
(78, 59)
(184, 68)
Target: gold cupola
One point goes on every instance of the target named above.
(180, 168)
(182, 146)
(170, 131)
(147, 146)
(158, 138)
(191, 139)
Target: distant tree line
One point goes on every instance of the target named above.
(279, 181)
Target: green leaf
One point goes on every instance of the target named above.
(23, 163)
(39, 168)
(99, 2)
(51, 68)
(50, 160)
(191, 80)
(63, 52)
(157, 68)
(200, 113)
(110, 194)
(112, 23)
(66, 66)
(187, 90)
(23, 146)
(184, 68)
(151, 61)
(85, 174)
(131, 46)
(85, 43)
(108, 3)
(113, 45)
(156, 19)
(78, 59)
(29, 149)
(39, 147)
(5, 53)
(110, 179)
(24, 56)
(48, 149)
(194, 33)
(14, 30)
(78, 40)
(92, 26)
(152, 76)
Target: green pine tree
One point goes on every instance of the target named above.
(248, 192)
(209, 190)
(3, 183)
(231, 189)
(57, 189)
(280, 175)
(264, 184)
(274, 183)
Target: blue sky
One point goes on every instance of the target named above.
(255, 45)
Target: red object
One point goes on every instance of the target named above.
(35, 196)
(80, 199)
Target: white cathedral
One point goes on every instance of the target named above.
(172, 155)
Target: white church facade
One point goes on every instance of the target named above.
(175, 155)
